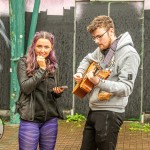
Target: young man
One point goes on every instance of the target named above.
(108, 98)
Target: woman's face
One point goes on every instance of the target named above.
(43, 47)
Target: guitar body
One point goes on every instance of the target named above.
(78, 91)
(81, 89)
(86, 86)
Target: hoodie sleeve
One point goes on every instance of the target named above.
(127, 72)
(87, 60)
(28, 84)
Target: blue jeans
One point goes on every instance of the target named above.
(101, 130)
(31, 134)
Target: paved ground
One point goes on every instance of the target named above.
(70, 135)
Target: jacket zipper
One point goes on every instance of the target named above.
(32, 106)
(45, 100)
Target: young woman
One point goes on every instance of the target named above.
(37, 104)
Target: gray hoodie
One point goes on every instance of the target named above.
(121, 80)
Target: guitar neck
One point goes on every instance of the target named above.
(103, 74)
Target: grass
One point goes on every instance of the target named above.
(75, 118)
(136, 126)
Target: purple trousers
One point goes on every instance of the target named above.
(32, 134)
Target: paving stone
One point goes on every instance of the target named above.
(70, 137)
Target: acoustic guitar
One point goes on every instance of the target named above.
(86, 86)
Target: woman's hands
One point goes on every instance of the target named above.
(41, 62)
(58, 90)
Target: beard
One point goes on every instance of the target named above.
(106, 45)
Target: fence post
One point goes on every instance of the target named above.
(33, 21)
(17, 27)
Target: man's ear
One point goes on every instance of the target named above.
(111, 31)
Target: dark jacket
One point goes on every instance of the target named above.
(37, 102)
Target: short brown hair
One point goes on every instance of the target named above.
(100, 22)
